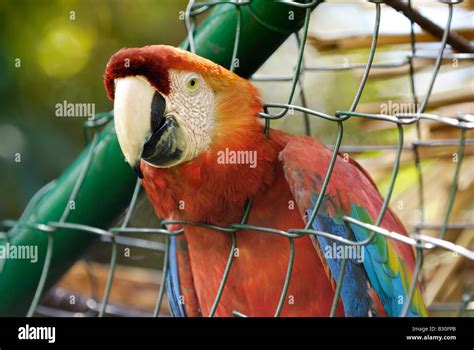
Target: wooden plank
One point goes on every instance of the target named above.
(358, 42)
(455, 96)
(134, 287)
(446, 272)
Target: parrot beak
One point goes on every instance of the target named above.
(144, 129)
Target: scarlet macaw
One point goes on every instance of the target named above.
(176, 115)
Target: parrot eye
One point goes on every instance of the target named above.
(192, 83)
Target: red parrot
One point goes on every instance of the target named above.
(190, 129)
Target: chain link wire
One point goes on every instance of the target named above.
(420, 242)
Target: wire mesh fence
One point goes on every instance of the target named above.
(273, 111)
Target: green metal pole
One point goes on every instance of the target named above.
(109, 182)
(265, 26)
(103, 195)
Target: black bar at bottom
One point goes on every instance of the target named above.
(18, 333)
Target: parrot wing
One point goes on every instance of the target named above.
(378, 273)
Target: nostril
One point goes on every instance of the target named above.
(158, 106)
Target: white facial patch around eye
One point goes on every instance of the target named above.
(193, 108)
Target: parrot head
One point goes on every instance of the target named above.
(172, 106)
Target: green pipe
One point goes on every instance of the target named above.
(265, 26)
(108, 185)
(104, 194)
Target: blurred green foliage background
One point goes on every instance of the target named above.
(53, 51)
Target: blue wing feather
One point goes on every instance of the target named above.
(172, 282)
(354, 291)
(389, 287)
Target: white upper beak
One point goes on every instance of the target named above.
(132, 115)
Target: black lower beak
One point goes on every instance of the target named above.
(137, 170)
(157, 120)
(161, 148)
(158, 107)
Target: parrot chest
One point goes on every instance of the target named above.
(260, 263)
